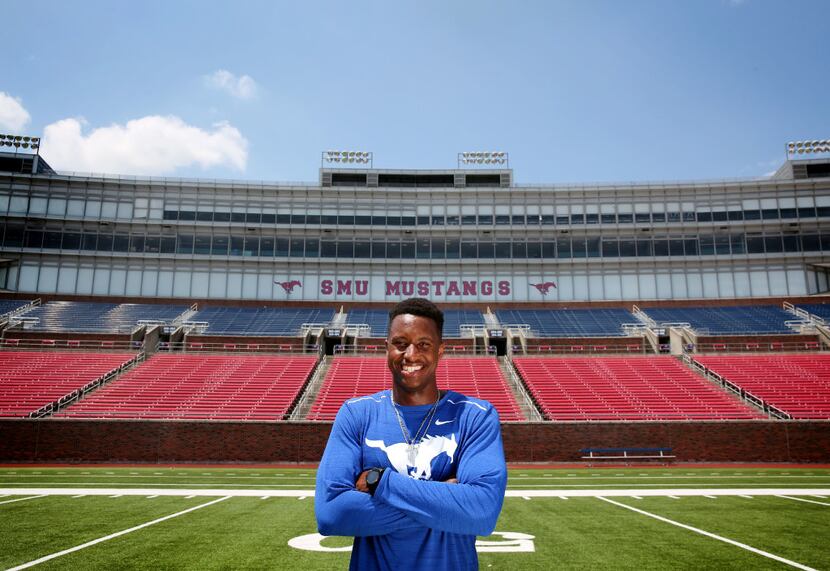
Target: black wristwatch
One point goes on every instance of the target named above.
(373, 479)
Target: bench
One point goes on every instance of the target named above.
(626, 453)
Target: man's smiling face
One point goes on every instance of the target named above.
(413, 350)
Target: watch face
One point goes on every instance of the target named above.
(372, 477)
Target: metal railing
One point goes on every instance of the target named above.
(755, 346)
(79, 393)
(581, 349)
(71, 344)
(449, 350)
(244, 347)
(311, 390)
(195, 326)
(738, 391)
(518, 386)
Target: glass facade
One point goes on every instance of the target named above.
(179, 238)
(15, 236)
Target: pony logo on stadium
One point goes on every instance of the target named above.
(289, 285)
(428, 449)
(544, 288)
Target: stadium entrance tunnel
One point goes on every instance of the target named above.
(333, 339)
(500, 345)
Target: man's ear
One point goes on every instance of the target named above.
(441, 350)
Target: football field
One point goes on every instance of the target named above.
(564, 518)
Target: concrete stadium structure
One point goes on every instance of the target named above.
(379, 235)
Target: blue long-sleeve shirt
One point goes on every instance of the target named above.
(414, 520)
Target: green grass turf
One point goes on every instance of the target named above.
(788, 528)
(524, 479)
(251, 533)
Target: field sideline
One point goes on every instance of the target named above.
(211, 517)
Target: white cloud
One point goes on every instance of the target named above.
(152, 145)
(13, 117)
(242, 87)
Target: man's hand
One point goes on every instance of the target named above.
(361, 485)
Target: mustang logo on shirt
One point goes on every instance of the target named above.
(428, 449)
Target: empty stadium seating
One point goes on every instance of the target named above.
(726, 320)
(349, 377)
(818, 309)
(568, 322)
(376, 319)
(260, 320)
(77, 316)
(9, 305)
(209, 387)
(796, 384)
(30, 380)
(625, 388)
(455, 318)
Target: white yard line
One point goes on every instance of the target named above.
(160, 484)
(164, 493)
(22, 499)
(804, 500)
(667, 492)
(113, 536)
(713, 536)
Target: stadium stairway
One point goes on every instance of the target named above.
(34, 383)
(517, 388)
(309, 396)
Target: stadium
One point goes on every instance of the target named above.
(657, 352)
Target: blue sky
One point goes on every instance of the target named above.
(575, 91)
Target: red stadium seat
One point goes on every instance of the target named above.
(625, 388)
(350, 377)
(798, 384)
(206, 387)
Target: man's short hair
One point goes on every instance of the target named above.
(421, 307)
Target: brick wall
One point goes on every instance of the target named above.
(65, 440)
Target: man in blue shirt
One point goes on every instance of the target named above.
(413, 473)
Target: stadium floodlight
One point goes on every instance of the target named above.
(816, 146)
(20, 142)
(348, 157)
(483, 158)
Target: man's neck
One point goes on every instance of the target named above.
(404, 398)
